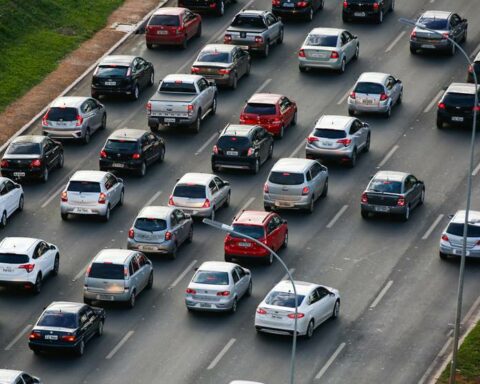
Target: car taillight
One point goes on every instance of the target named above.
(470, 69)
(251, 151)
(168, 235)
(64, 196)
(345, 142)
(195, 70)
(334, 55)
(265, 188)
(191, 291)
(224, 71)
(28, 267)
(364, 198)
(441, 105)
(375, 6)
(190, 109)
(224, 293)
(131, 233)
(149, 108)
(129, 71)
(44, 119)
(353, 95)
(345, 4)
(215, 150)
(125, 272)
(170, 200)
(36, 163)
(69, 338)
(258, 39)
(136, 156)
(261, 311)
(383, 96)
(477, 108)
(213, 5)
(445, 35)
(4, 164)
(35, 336)
(292, 315)
(227, 38)
(413, 34)
(89, 268)
(401, 202)
(206, 204)
(103, 154)
(102, 198)
(79, 121)
(276, 3)
(305, 191)
(312, 139)
(301, 53)
(445, 237)
(302, 4)
(180, 30)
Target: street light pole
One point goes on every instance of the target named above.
(458, 317)
(229, 229)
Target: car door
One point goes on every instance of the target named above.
(412, 193)
(155, 146)
(116, 188)
(134, 271)
(27, 379)
(242, 282)
(356, 134)
(222, 189)
(91, 322)
(48, 153)
(9, 196)
(204, 97)
(243, 60)
(324, 305)
(83, 325)
(41, 258)
(136, 72)
(273, 27)
(183, 224)
(350, 46)
(314, 175)
(147, 149)
(48, 253)
(175, 228)
(143, 269)
(96, 115)
(275, 232)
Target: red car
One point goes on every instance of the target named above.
(267, 227)
(172, 26)
(272, 112)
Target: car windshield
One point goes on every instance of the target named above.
(456, 229)
(192, 191)
(177, 87)
(24, 149)
(459, 99)
(329, 133)
(211, 277)
(387, 186)
(248, 21)
(286, 178)
(107, 271)
(112, 71)
(166, 20)
(150, 224)
(370, 88)
(58, 319)
(255, 231)
(322, 40)
(283, 299)
(121, 146)
(214, 57)
(62, 114)
(83, 186)
(260, 109)
(236, 142)
(434, 23)
(13, 258)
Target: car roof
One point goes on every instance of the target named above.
(373, 77)
(127, 134)
(113, 256)
(185, 78)
(265, 98)
(65, 306)
(18, 245)
(8, 375)
(94, 176)
(292, 164)
(437, 14)
(219, 266)
(196, 177)
(218, 47)
(118, 59)
(326, 31)
(156, 211)
(391, 175)
(336, 122)
(466, 88)
(68, 101)
(169, 11)
(251, 217)
(238, 129)
(29, 139)
(473, 217)
(302, 287)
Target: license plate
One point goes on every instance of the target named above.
(457, 118)
(18, 174)
(288, 5)
(428, 46)
(232, 153)
(7, 270)
(459, 252)
(118, 165)
(243, 35)
(105, 297)
(359, 14)
(367, 101)
(283, 204)
(244, 244)
(276, 317)
(51, 337)
(382, 209)
(205, 305)
(169, 120)
(147, 248)
(82, 210)
(326, 144)
(110, 83)
(317, 55)
(162, 32)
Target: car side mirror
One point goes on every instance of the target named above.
(371, 177)
(366, 125)
(226, 183)
(355, 36)
(17, 186)
(450, 216)
(178, 179)
(52, 247)
(211, 83)
(195, 269)
(399, 81)
(331, 293)
(284, 221)
(464, 20)
(120, 180)
(247, 272)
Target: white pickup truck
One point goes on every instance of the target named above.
(182, 100)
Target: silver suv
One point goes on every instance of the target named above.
(74, 117)
(451, 241)
(295, 184)
(117, 275)
(92, 193)
(338, 137)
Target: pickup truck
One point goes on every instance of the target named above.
(182, 100)
(257, 30)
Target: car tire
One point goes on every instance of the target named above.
(87, 301)
(294, 119)
(106, 217)
(443, 256)
(266, 50)
(226, 204)
(392, 6)
(149, 46)
(100, 328)
(45, 175)
(173, 252)
(154, 128)
(143, 169)
(345, 18)
(21, 203)
(464, 37)
(280, 37)
(234, 81)
(150, 281)
(269, 259)
(388, 114)
(215, 168)
(184, 42)
(270, 152)
(281, 133)
(453, 49)
(220, 8)
(86, 137)
(61, 160)
(357, 52)
(151, 81)
(56, 265)
(310, 14)
(196, 125)
(249, 290)
(199, 31)
(380, 17)
(351, 112)
(122, 198)
(353, 159)
(228, 259)
(422, 197)
(310, 329)
(256, 167)
(190, 235)
(234, 306)
(249, 68)
(267, 208)
(161, 155)
(365, 214)
(406, 215)
(135, 92)
(131, 301)
(367, 144)
(64, 216)
(37, 287)
(213, 109)
(36, 351)
(3, 221)
(325, 190)
(400, 98)
(322, 4)
(212, 215)
(336, 309)
(342, 66)
(80, 350)
(311, 205)
(302, 69)
(439, 123)
(413, 50)
(285, 240)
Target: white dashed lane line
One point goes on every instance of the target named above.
(433, 102)
(221, 354)
(330, 361)
(388, 156)
(432, 227)
(262, 87)
(291, 270)
(247, 204)
(18, 337)
(337, 216)
(381, 294)
(182, 275)
(475, 171)
(297, 149)
(394, 42)
(81, 272)
(119, 345)
(153, 198)
(344, 97)
(206, 144)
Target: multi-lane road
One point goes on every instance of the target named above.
(398, 297)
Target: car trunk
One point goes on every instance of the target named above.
(20, 161)
(246, 34)
(189, 195)
(149, 230)
(208, 292)
(460, 103)
(120, 150)
(106, 278)
(211, 70)
(286, 186)
(317, 53)
(327, 138)
(386, 199)
(58, 117)
(163, 25)
(10, 266)
(233, 146)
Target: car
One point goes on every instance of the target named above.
(160, 230)
(295, 183)
(218, 286)
(172, 26)
(339, 138)
(375, 92)
(455, 108)
(131, 150)
(475, 67)
(329, 48)
(200, 194)
(451, 240)
(293, 8)
(216, 7)
(244, 382)
(366, 10)
(266, 227)
(122, 75)
(272, 111)
(223, 64)
(242, 147)
(316, 304)
(10, 376)
(26, 262)
(256, 30)
(392, 193)
(11, 199)
(32, 157)
(91, 193)
(66, 326)
(445, 24)
(117, 275)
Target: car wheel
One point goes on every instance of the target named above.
(21, 203)
(199, 30)
(281, 133)
(228, 259)
(234, 306)
(161, 155)
(135, 93)
(406, 214)
(184, 42)
(122, 198)
(227, 200)
(150, 281)
(422, 197)
(80, 349)
(439, 123)
(220, 8)
(443, 256)
(212, 215)
(45, 175)
(215, 168)
(56, 265)
(190, 234)
(149, 46)
(152, 79)
(342, 66)
(345, 19)
(61, 160)
(143, 169)
(64, 216)
(365, 214)
(388, 113)
(196, 124)
(234, 81)
(311, 205)
(37, 287)
(131, 300)
(453, 49)
(322, 4)
(269, 259)
(267, 208)
(3, 222)
(413, 50)
(256, 167)
(325, 189)
(310, 14)
(367, 144)
(285, 240)
(380, 17)
(106, 217)
(400, 97)
(213, 110)
(86, 137)
(336, 309)
(280, 37)
(270, 151)
(357, 52)
(100, 329)
(353, 159)
(266, 50)
(173, 253)
(310, 329)
(154, 128)
(248, 293)
(351, 112)
(302, 69)
(464, 38)
(87, 301)
(249, 68)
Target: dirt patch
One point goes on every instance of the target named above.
(20, 112)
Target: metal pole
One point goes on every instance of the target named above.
(229, 229)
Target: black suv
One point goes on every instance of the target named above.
(131, 150)
(122, 74)
(31, 157)
(366, 9)
(456, 105)
(242, 147)
(303, 8)
(214, 6)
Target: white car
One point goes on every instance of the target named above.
(10, 376)
(316, 303)
(11, 199)
(25, 262)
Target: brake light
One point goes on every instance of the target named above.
(79, 121)
(129, 71)
(305, 191)
(149, 108)
(375, 6)
(276, 3)
(180, 30)
(383, 96)
(170, 200)
(445, 237)
(345, 142)
(301, 53)
(168, 235)
(191, 291)
(224, 71)
(477, 108)
(44, 119)
(445, 35)
(261, 311)
(224, 293)
(364, 198)
(345, 4)
(213, 5)
(265, 188)
(334, 55)
(36, 163)
(298, 316)
(353, 95)
(206, 204)
(251, 151)
(302, 4)
(103, 154)
(131, 233)
(136, 156)
(258, 39)
(413, 34)
(63, 196)
(470, 69)
(35, 336)
(102, 198)
(125, 272)
(89, 269)
(441, 105)
(69, 338)
(215, 150)
(4, 164)
(227, 38)
(195, 70)
(312, 139)
(190, 109)
(401, 202)
(28, 267)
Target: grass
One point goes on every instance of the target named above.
(468, 366)
(36, 34)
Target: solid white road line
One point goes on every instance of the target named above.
(221, 354)
(119, 345)
(262, 87)
(206, 144)
(291, 270)
(475, 171)
(434, 101)
(381, 294)
(475, 51)
(387, 156)
(432, 227)
(344, 97)
(153, 198)
(182, 275)
(247, 204)
(394, 42)
(299, 146)
(337, 216)
(18, 337)
(81, 273)
(330, 361)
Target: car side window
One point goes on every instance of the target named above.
(108, 183)
(3, 189)
(308, 175)
(134, 264)
(284, 104)
(179, 215)
(270, 226)
(235, 276)
(454, 20)
(270, 20)
(316, 169)
(219, 182)
(390, 82)
(27, 379)
(409, 183)
(173, 219)
(139, 260)
(240, 271)
(89, 313)
(313, 297)
(9, 186)
(202, 84)
(344, 38)
(321, 292)
(18, 381)
(151, 138)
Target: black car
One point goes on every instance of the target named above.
(31, 157)
(212, 6)
(392, 193)
(366, 9)
(302, 8)
(122, 75)
(474, 68)
(66, 326)
(242, 147)
(456, 105)
(131, 150)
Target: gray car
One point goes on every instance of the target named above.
(74, 117)
(295, 184)
(217, 286)
(338, 137)
(117, 275)
(451, 241)
(160, 230)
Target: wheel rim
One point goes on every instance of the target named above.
(4, 219)
(214, 104)
(20, 203)
(136, 92)
(337, 309)
(422, 198)
(56, 265)
(310, 329)
(100, 328)
(285, 240)
(357, 51)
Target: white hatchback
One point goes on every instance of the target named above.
(11, 199)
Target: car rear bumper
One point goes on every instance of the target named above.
(27, 173)
(63, 133)
(251, 45)
(160, 248)
(154, 121)
(301, 202)
(312, 63)
(457, 251)
(383, 209)
(431, 45)
(382, 107)
(197, 212)
(217, 306)
(106, 296)
(233, 162)
(165, 39)
(338, 154)
(133, 165)
(269, 326)
(456, 119)
(100, 209)
(38, 345)
(364, 14)
(99, 90)
(285, 12)
(18, 283)
(245, 253)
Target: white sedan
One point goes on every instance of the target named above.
(11, 199)
(316, 303)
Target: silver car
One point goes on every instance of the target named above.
(375, 92)
(217, 286)
(338, 137)
(295, 184)
(451, 241)
(74, 117)
(117, 275)
(160, 230)
(200, 194)
(329, 48)
(10, 376)
(91, 193)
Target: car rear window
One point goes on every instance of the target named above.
(166, 20)
(192, 191)
(13, 258)
(214, 57)
(177, 87)
(457, 230)
(233, 142)
(434, 23)
(260, 109)
(322, 40)
(24, 149)
(329, 133)
(121, 146)
(248, 21)
(283, 299)
(83, 186)
(386, 186)
(108, 271)
(211, 277)
(58, 319)
(255, 231)
(62, 114)
(371, 88)
(459, 99)
(150, 224)
(112, 71)
(286, 178)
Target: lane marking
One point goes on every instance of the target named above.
(337, 216)
(262, 87)
(81, 273)
(119, 345)
(285, 277)
(475, 51)
(221, 354)
(153, 198)
(344, 97)
(434, 101)
(381, 294)
(248, 202)
(432, 227)
(330, 361)
(18, 337)
(299, 146)
(206, 144)
(388, 156)
(395, 41)
(475, 171)
(182, 275)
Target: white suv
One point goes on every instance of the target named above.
(11, 199)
